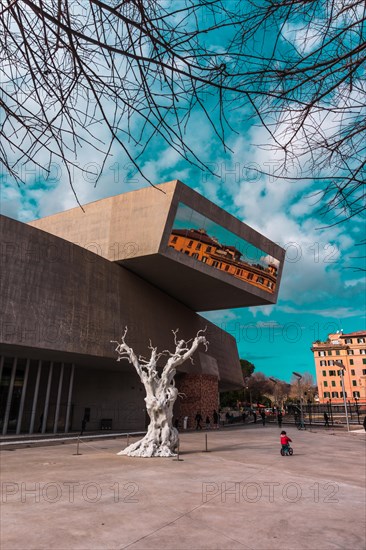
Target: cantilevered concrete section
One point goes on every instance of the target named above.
(180, 242)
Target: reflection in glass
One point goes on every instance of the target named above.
(206, 241)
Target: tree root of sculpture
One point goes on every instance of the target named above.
(152, 444)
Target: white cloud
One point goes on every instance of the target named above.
(264, 310)
(223, 315)
(330, 313)
(305, 38)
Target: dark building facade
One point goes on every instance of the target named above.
(70, 283)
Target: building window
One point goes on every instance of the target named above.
(332, 373)
(260, 280)
(352, 372)
(227, 267)
(363, 371)
(361, 341)
(204, 259)
(325, 384)
(198, 246)
(364, 363)
(324, 372)
(348, 340)
(362, 351)
(350, 352)
(250, 276)
(333, 383)
(354, 382)
(269, 284)
(323, 364)
(341, 394)
(356, 394)
(338, 352)
(334, 394)
(331, 363)
(174, 240)
(208, 248)
(329, 352)
(215, 263)
(321, 353)
(351, 362)
(195, 255)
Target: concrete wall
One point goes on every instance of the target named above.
(118, 396)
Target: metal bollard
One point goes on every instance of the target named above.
(206, 449)
(77, 447)
(128, 440)
(177, 457)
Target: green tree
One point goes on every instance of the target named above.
(231, 398)
(247, 368)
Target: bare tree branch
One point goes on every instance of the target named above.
(86, 75)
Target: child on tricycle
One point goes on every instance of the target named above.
(286, 449)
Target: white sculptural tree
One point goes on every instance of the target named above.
(161, 438)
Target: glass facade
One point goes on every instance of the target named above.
(208, 242)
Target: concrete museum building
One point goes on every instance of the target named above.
(149, 260)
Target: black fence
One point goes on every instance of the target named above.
(328, 413)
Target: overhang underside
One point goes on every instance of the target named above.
(198, 286)
(87, 362)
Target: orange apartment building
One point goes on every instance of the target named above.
(197, 244)
(350, 350)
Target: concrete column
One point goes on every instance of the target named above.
(59, 391)
(47, 400)
(10, 396)
(22, 399)
(1, 366)
(69, 397)
(35, 398)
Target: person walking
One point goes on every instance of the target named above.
(215, 417)
(263, 416)
(279, 419)
(326, 420)
(198, 419)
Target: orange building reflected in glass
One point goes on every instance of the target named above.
(207, 249)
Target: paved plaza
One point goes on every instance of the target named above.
(240, 495)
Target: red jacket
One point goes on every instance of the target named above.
(285, 440)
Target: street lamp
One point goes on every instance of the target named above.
(275, 388)
(341, 372)
(299, 376)
(246, 380)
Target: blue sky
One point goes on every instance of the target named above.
(322, 290)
